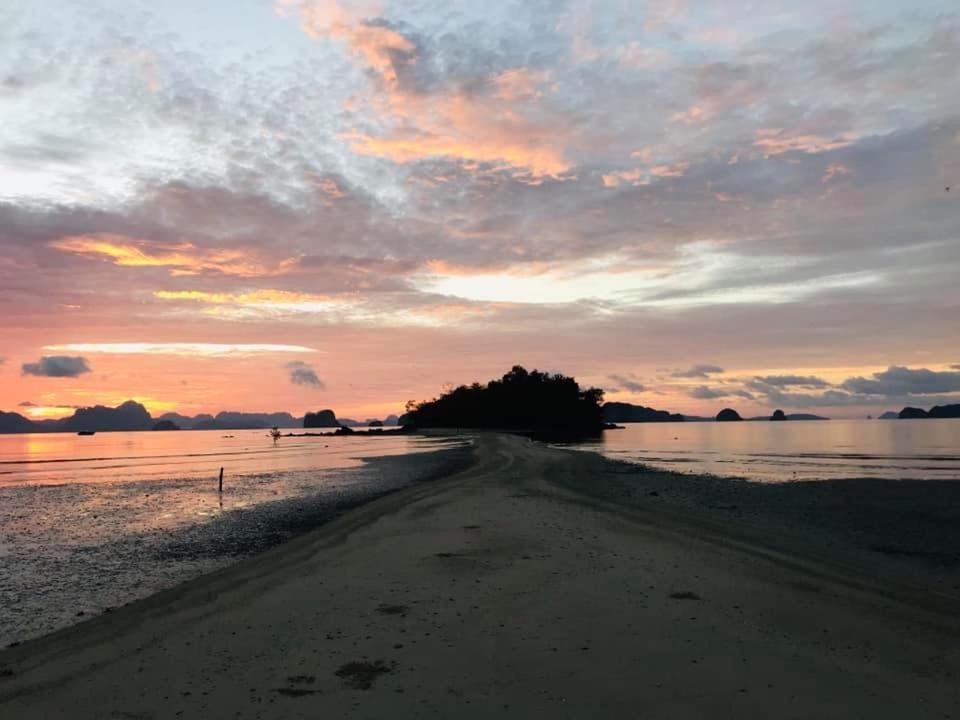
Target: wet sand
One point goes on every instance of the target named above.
(514, 589)
(75, 550)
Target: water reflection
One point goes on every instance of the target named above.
(797, 450)
(110, 457)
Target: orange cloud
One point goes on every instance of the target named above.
(255, 297)
(692, 116)
(776, 141)
(835, 170)
(633, 177)
(331, 188)
(518, 84)
(382, 48)
(468, 127)
(664, 171)
(182, 258)
(494, 124)
(640, 176)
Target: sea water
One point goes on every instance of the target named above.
(90, 522)
(794, 450)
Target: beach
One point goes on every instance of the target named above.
(539, 582)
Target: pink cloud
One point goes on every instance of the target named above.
(498, 124)
(692, 116)
(776, 141)
(665, 171)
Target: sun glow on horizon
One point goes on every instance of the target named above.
(180, 348)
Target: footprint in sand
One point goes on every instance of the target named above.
(360, 675)
(386, 609)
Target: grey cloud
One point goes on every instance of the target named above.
(697, 371)
(809, 381)
(302, 373)
(703, 392)
(273, 141)
(58, 366)
(904, 381)
(26, 404)
(895, 386)
(840, 398)
(706, 393)
(628, 384)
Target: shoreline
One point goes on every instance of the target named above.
(514, 539)
(128, 540)
(896, 533)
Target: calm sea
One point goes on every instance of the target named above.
(54, 458)
(793, 450)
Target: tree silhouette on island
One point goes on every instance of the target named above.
(533, 401)
(728, 415)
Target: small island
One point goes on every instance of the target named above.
(728, 415)
(540, 403)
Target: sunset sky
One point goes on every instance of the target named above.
(299, 204)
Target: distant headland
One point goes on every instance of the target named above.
(913, 413)
(519, 400)
(132, 416)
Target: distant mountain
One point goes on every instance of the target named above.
(945, 411)
(185, 422)
(134, 416)
(391, 420)
(230, 420)
(697, 418)
(778, 416)
(127, 416)
(11, 422)
(912, 413)
(321, 419)
(614, 412)
(166, 425)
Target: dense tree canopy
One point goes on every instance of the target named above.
(519, 400)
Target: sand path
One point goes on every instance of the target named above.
(494, 593)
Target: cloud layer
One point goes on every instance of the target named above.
(434, 192)
(57, 366)
(302, 373)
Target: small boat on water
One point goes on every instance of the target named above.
(87, 432)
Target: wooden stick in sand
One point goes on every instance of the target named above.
(221, 480)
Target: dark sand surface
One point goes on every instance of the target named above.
(537, 583)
